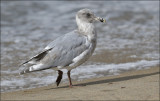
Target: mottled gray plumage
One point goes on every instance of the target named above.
(69, 50)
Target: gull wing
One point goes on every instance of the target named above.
(37, 57)
(65, 49)
(60, 52)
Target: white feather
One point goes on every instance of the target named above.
(36, 67)
(87, 28)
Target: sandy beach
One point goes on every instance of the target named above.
(134, 85)
(127, 44)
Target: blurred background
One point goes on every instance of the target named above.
(128, 41)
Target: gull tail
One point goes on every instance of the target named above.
(24, 71)
(34, 68)
(34, 60)
(27, 70)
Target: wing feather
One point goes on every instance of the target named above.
(37, 57)
(60, 52)
(66, 49)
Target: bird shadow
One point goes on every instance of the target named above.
(118, 79)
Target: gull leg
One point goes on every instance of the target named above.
(70, 82)
(59, 78)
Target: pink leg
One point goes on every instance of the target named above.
(70, 82)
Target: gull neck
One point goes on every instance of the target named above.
(85, 28)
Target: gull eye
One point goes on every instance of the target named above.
(88, 14)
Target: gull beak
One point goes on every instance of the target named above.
(100, 19)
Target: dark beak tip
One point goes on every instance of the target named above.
(101, 20)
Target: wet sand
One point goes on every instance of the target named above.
(130, 36)
(134, 85)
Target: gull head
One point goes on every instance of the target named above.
(87, 16)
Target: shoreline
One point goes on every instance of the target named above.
(132, 85)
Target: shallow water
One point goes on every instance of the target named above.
(128, 41)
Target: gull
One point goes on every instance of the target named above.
(67, 51)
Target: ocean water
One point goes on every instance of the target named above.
(128, 41)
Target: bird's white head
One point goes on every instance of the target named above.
(85, 19)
